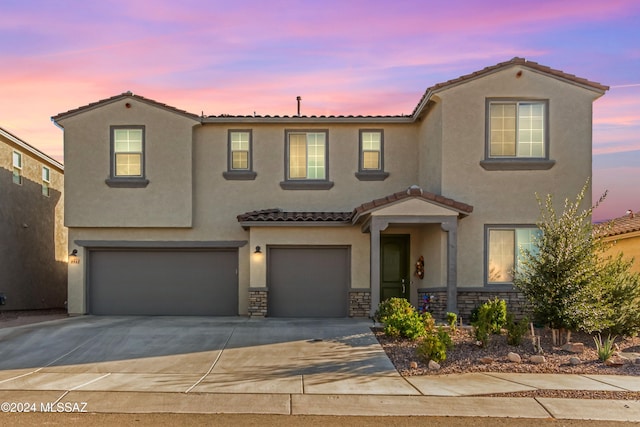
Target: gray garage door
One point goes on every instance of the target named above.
(308, 281)
(163, 282)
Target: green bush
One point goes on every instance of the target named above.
(444, 337)
(490, 317)
(516, 330)
(432, 348)
(452, 320)
(401, 319)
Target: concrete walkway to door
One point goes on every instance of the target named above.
(265, 366)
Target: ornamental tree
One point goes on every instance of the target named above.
(568, 281)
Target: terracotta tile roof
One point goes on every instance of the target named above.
(626, 224)
(348, 118)
(117, 98)
(278, 215)
(515, 61)
(413, 192)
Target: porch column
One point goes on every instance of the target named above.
(377, 225)
(451, 227)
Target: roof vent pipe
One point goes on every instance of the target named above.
(298, 98)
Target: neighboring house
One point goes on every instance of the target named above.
(623, 236)
(33, 239)
(319, 216)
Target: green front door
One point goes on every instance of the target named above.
(394, 266)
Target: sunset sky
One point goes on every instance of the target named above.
(341, 56)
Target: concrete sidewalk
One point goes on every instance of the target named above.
(270, 366)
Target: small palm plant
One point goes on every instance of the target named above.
(604, 348)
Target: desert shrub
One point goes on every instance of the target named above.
(516, 330)
(432, 348)
(444, 337)
(452, 320)
(604, 348)
(401, 319)
(490, 318)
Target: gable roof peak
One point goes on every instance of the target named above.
(115, 98)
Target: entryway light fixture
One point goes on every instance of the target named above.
(73, 257)
(257, 251)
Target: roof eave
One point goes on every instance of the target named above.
(31, 149)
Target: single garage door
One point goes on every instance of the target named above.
(163, 282)
(308, 281)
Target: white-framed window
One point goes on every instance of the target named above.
(46, 181)
(504, 246)
(128, 152)
(17, 168)
(239, 150)
(306, 155)
(371, 150)
(517, 129)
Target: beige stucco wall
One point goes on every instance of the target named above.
(508, 197)
(165, 202)
(189, 199)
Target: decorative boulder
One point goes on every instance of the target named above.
(434, 366)
(575, 361)
(538, 359)
(413, 365)
(514, 357)
(574, 347)
(486, 360)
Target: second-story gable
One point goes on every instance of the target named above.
(130, 164)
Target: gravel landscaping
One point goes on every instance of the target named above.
(466, 356)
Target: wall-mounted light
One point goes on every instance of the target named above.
(73, 257)
(257, 251)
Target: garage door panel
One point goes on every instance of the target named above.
(308, 281)
(163, 282)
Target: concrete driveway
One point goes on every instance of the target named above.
(197, 355)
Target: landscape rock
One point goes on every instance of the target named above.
(537, 359)
(614, 363)
(486, 360)
(514, 357)
(413, 365)
(434, 365)
(574, 361)
(574, 347)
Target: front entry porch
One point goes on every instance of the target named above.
(432, 222)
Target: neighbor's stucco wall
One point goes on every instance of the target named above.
(508, 197)
(33, 239)
(627, 244)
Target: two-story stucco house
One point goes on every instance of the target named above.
(33, 239)
(314, 216)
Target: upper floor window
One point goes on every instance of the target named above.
(517, 135)
(17, 168)
(46, 180)
(504, 245)
(371, 156)
(306, 156)
(127, 161)
(240, 158)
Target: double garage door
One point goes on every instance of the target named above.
(163, 282)
(308, 281)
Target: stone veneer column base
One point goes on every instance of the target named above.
(359, 302)
(258, 302)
